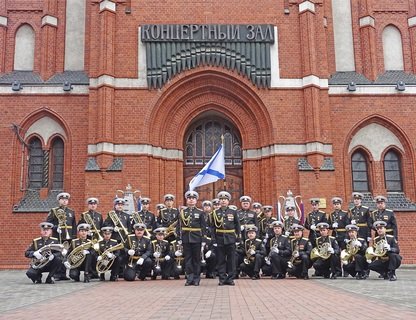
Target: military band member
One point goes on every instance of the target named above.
(139, 251)
(168, 217)
(159, 207)
(254, 252)
(104, 246)
(386, 253)
(301, 248)
(44, 260)
(278, 251)
(289, 220)
(338, 220)
(266, 232)
(119, 220)
(64, 226)
(176, 248)
(216, 204)
(145, 216)
(82, 243)
(226, 233)
(207, 208)
(386, 215)
(210, 258)
(360, 216)
(257, 208)
(191, 230)
(314, 217)
(327, 260)
(245, 215)
(93, 218)
(353, 257)
(162, 260)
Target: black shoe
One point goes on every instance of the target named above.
(209, 276)
(113, 278)
(62, 278)
(383, 276)
(94, 275)
(221, 283)
(392, 276)
(230, 283)
(305, 277)
(281, 276)
(165, 278)
(334, 276)
(196, 282)
(102, 277)
(50, 280)
(188, 283)
(76, 279)
(255, 277)
(177, 277)
(154, 277)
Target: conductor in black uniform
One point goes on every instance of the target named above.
(191, 230)
(226, 233)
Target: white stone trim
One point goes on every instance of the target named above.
(287, 149)
(107, 5)
(135, 149)
(314, 80)
(46, 127)
(367, 21)
(372, 90)
(44, 89)
(307, 6)
(51, 20)
(142, 72)
(3, 21)
(274, 59)
(411, 21)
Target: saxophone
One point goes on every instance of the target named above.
(121, 229)
(104, 264)
(46, 251)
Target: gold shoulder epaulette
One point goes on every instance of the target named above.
(53, 238)
(146, 237)
(165, 241)
(361, 239)
(154, 241)
(305, 239)
(258, 240)
(388, 210)
(36, 239)
(321, 211)
(331, 237)
(365, 207)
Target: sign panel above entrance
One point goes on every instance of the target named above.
(171, 49)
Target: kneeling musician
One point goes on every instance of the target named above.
(163, 261)
(254, 252)
(278, 249)
(353, 256)
(299, 263)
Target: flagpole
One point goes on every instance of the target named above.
(224, 182)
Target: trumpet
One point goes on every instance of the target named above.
(158, 250)
(61, 216)
(121, 229)
(46, 251)
(104, 263)
(272, 249)
(295, 255)
(178, 260)
(88, 219)
(137, 219)
(131, 259)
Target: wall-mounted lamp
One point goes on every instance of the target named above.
(67, 86)
(16, 85)
(351, 86)
(400, 86)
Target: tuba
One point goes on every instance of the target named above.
(376, 251)
(104, 264)
(322, 251)
(61, 216)
(76, 257)
(348, 254)
(46, 251)
(137, 219)
(121, 229)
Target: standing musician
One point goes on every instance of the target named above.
(290, 220)
(301, 248)
(139, 250)
(191, 230)
(384, 257)
(254, 252)
(325, 255)
(266, 232)
(80, 246)
(246, 216)
(110, 251)
(216, 203)
(145, 216)
(314, 217)
(226, 233)
(386, 215)
(353, 256)
(168, 217)
(45, 254)
(278, 251)
(93, 218)
(159, 207)
(162, 260)
(360, 216)
(64, 226)
(257, 209)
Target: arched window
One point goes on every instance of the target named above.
(24, 51)
(36, 160)
(57, 164)
(359, 172)
(392, 172)
(392, 49)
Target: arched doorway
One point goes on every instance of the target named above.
(202, 139)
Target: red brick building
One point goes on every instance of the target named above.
(312, 96)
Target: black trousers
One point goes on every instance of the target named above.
(325, 267)
(358, 265)
(192, 255)
(226, 265)
(140, 270)
(51, 268)
(85, 266)
(278, 263)
(253, 267)
(383, 266)
(300, 266)
(165, 268)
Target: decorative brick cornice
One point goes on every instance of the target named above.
(367, 21)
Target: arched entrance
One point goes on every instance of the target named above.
(201, 141)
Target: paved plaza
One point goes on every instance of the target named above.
(262, 299)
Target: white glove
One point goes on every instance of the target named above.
(267, 261)
(110, 255)
(296, 254)
(178, 253)
(353, 221)
(214, 244)
(242, 228)
(156, 254)
(264, 240)
(89, 233)
(37, 254)
(59, 230)
(51, 257)
(64, 252)
(203, 244)
(275, 250)
(208, 254)
(387, 247)
(85, 252)
(140, 261)
(335, 225)
(99, 258)
(357, 244)
(368, 239)
(131, 252)
(313, 227)
(167, 258)
(96, 246)
(116, 229)
(331, 250)
(252, 252)
(67, 265)
(287, 233)
(346, 240)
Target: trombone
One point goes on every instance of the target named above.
(88, 219)
(121, 229)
